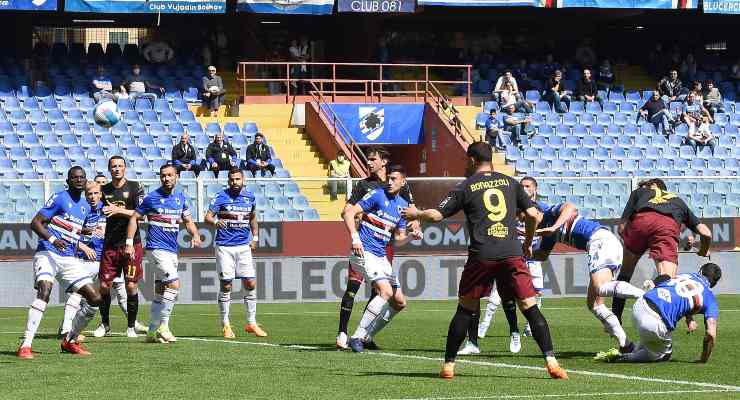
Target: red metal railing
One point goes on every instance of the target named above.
(366, 79)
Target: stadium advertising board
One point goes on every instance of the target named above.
(314, 7)
(34, 5)
(650, 4)
(376, 6)
(291, 279)
(481, 3)
(382, 123)
(147, 6)
(722, 6)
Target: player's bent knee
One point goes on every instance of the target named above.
(469, 303)
(173, 284)
(249, 284)
(44, 291)
(225, 286)
(526, 304)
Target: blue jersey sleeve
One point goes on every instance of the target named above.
(711, 309)
(369, 201)
(215, 204)
(145, 208)
(51, 208)
(185, 207)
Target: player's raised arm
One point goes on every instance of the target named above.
(567, 211)
(710, 337)
(705, 239)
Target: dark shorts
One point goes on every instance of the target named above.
(654, 231)
(115, 261)
(511, 275)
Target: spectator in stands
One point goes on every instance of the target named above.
(157, 52)
(299, 52)
(696, 89)
(549, 67)
(671, 88)
(220, 156)
(494, 130)
(586, 90)
(585, 54)
(510, 94)
(693, 112)
(517, 126)
(501, 82)
(338, 168)
(713, 98)
(135, 86)
(213, 91)
(258, 157)
(102, 86)
(184, 157)
(555, 93)
(700, 136)
(605, 78)
(688, 67)
(655, 111)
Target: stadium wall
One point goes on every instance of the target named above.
(292, 267)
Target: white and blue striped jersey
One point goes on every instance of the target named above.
(686, 294)
(576, 233)
(236, 212)
(164, 212)
(381, 217)
(66, 218)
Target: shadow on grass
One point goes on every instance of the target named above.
(435, 375)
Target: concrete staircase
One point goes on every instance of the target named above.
(297, 153)
(468, 114)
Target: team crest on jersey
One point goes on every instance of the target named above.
(161, 201)
(160, 210)
(498, 230)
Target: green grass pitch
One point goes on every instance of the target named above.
(298, 359)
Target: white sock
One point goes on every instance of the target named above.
(386, 315)
(250, 303)
(623, 290)
(373, 311)
(120, 290)
(83, 317)
(494, 301)
(70, 310)
(168, 303)
(224, 303)
(611, 323)
(156, 313)
(35, 313)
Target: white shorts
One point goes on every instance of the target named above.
(535, 269)
(654, 335)
(165, 266)
(119, 278)
(92, 267)
(69, 271)
(374, 268)
(234, 262)
(604, 251)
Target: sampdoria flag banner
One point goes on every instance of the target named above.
(652, 4)
(315, 7)
(35, 5)
(147, 6)
(722, 6)
(480, 3)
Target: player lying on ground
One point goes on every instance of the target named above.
(232, 212)
(657, 313)
(58, 225)
(381, 221)
(491, 202)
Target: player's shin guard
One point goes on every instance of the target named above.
(168, 304)
(105, 308)
(457, 331)
(156, 312)
(85, 314)
(372, 312)
(540, 330)
(132, 309)
(386, 316)
(619, 289)
(250, 304)
(70, 310)
(120, 290)
(35, 313)
(611, 323)
(224, 304)
(348, 300)
(510, 311)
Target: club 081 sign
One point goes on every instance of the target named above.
(377, 6)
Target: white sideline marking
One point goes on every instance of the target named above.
(539, 396)
(489, 364)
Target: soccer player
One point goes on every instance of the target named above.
(377, 161)
(491, 202)
(657, 313)
(652, 220)
(381, 221)
(232, 212)
(165, 209)
(561, 223)
(58, 225)
(120, 197)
